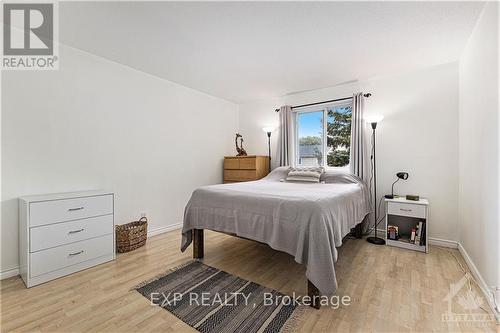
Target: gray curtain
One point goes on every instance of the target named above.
(286, 136)
(359, 159)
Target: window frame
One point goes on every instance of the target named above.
(317, 108)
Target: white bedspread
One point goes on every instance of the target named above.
(308, 221)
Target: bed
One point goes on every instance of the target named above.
(305, 220)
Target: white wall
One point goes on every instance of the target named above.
(255, 116)
(97, 124)
(418, 134)
(479, 147)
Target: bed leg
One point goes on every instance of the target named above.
(358, 231)
(198, 244)
(314, 294)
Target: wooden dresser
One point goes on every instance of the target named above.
(245, 168)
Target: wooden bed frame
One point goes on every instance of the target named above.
(312, 291)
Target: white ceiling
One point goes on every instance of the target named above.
(243, 51)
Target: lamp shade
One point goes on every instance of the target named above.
(268, 129)
(374, 118)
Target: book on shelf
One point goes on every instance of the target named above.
(417, 235)
(413, 235)
(392, 232)
(423, 238)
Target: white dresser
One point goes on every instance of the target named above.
(63, 233)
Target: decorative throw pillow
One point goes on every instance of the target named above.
(339, 176)
(305, 174)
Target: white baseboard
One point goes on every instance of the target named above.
(161, 230)
(9, 273)
(480, 281)
(380, 233)
(443, 242)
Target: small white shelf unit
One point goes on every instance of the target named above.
(406, 214)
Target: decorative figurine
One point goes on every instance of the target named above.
(241, 151)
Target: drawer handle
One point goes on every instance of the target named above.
(76, 253)
(405, 210)
(75, 209)
(75, 231)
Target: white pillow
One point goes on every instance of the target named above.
(338, 176)
(305, 174)
(278, 173)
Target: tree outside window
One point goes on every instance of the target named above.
(338, 135)
(312, 143)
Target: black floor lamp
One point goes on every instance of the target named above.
(269, 130)
(373, 120)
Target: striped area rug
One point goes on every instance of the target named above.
(211, 300)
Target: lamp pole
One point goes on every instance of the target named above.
(268, 131)
(375, 240)
(269, 148)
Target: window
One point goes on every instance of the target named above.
(310, 138)
(314, 141)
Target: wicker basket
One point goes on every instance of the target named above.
(132, 235)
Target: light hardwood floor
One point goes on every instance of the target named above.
(392, 290)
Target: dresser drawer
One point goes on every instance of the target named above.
(242, 163)
(406, 210)
(52, 235)
(231, 163)
(248, 163)
(55, 211)
(71, 254)
(240, 175)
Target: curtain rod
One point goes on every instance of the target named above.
(330, 101)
